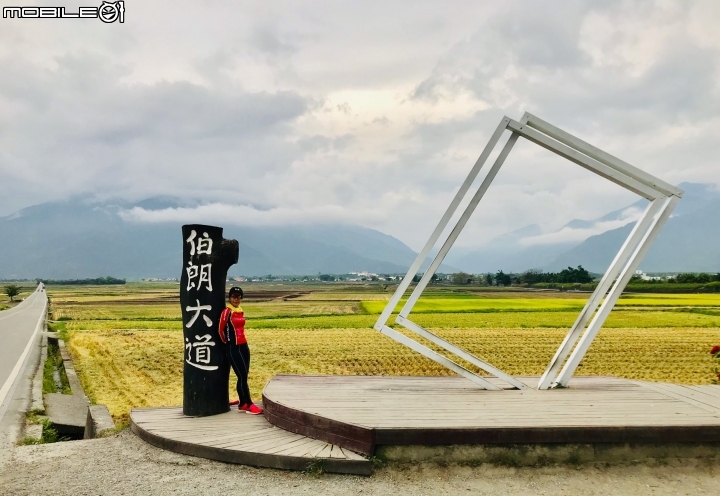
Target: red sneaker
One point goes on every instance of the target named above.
(234, 402)
(253, 409)
(243, 408)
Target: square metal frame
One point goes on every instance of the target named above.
(663, 199)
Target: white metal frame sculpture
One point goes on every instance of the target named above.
(663, 199)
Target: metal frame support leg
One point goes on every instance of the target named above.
(632, 241)
(668, 205)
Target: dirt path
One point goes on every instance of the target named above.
(125, 465)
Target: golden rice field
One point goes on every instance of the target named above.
(128, 350)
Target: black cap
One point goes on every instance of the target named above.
(235, 291)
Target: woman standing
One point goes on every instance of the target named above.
(232, 333)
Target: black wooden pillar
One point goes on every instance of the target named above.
(206, 260)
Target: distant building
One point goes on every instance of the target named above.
(646, 277)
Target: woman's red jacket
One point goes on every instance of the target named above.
(232, 327)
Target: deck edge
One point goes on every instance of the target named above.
(263, 460)
(353, 437)
(695, 434)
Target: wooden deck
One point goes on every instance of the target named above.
(360, 413)
(236, 437)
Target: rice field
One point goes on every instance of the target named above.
(520, 304)
(128, 350)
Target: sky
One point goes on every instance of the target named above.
(370, 113)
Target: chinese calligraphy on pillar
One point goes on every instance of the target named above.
(206, 259)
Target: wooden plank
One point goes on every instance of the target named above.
(190, 427)
(683, 394)
(705, 394)
(336, 452)
(256, 446)
(325, 452)
(254, 443)
(316, 451)
(259, 445)
(218, 439)
(305, 450)
(207, 435)
(293, 447)
(350, 455)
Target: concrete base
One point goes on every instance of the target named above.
(529, 455)
(67, 413)
(72, 377)
(33, 431)
(98, 421)
(37, 385)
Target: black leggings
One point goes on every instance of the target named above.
(239, 357)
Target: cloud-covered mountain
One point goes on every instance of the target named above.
(82, 238)
(509, 253)
(690, 241)
(531, 248)
(79, 238)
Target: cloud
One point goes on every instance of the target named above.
(368, 113)
(569, 234)
(240, 215)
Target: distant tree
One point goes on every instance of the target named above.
(12, 290)
(98, 281)
(326, 277)
(489, 279)
(502, 279)
(575, 275)
(569, 275)
(532, 276)
(692, 277)
(416, 278)
(461, 278)
(434, 278)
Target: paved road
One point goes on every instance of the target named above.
(20, 328)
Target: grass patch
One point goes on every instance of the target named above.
(49, 434)
(670, 300)
(315, 467)
(111, 432)
(54, 377)
(60, 328)
(476, 304)
(628, 317)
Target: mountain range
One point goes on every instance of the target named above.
(81, 238)
(689, 241)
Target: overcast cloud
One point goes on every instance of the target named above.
(369, 113)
